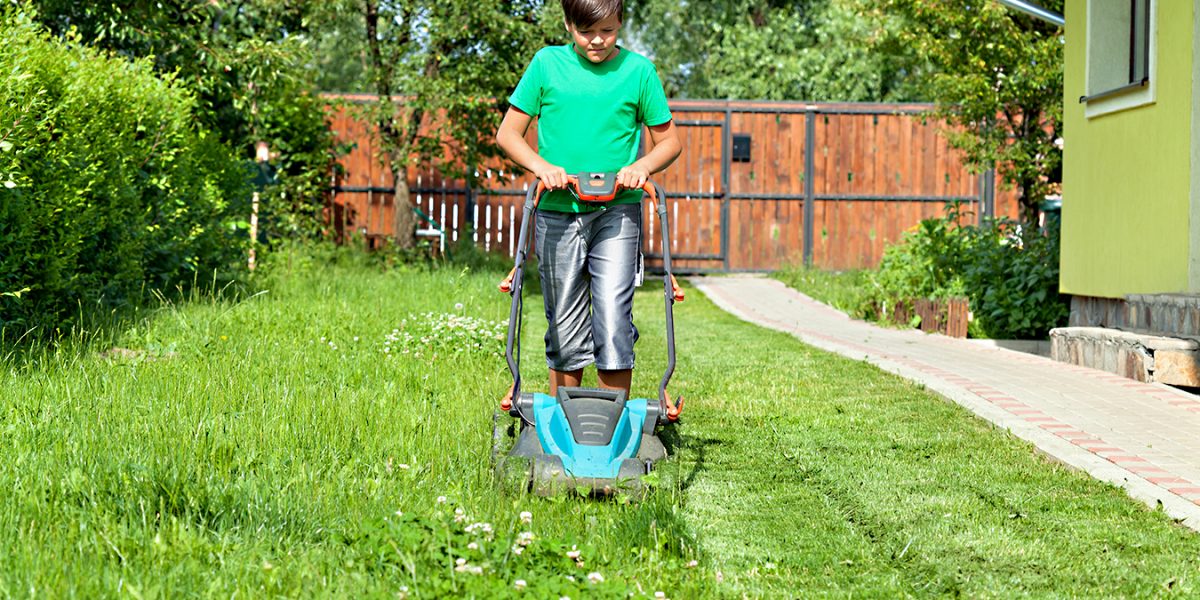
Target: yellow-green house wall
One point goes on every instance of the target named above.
(1127, 175)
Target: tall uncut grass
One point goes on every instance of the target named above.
(329, 434)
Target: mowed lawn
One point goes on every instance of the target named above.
(330, 436)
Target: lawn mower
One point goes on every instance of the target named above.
(590, 440)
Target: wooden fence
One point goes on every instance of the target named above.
(758, 185)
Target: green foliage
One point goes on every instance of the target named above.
(819, 50)
(452, 62)
(927, 263)
(109, 186)
(1008, 272)
(1012, 276)
(998, 79)
(249, 67)
(301, 144)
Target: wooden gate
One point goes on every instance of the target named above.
(758, 185)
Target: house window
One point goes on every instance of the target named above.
(1120, 55)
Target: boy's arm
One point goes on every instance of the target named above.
(511, 138)
(666, 150)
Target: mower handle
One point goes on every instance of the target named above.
(597, 194)
(598, 188)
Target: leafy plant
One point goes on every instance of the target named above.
(114, 189)
(997, 77)
(1008, 272)
(775, 50)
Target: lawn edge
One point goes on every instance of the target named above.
(1047, 443)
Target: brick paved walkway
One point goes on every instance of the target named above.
(1142, 437)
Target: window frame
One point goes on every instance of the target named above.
(1136, 91)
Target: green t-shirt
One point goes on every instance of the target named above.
(590, 116)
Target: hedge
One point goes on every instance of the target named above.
(108, 188)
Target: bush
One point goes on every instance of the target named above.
(107, 187)
(299, 133)
(1008, 272)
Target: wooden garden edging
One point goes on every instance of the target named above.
(948, 316)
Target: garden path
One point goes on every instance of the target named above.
(1142, 437)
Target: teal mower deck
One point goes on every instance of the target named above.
(592, 440)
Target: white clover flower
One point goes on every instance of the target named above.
(692, 564)
(472, 546)
(517, 549)
(573, 553)
(525, 538)
(660, 596)
(526, 517)
(402, 466)
(441, 499)
(519, 584)
(595, 577)
(399, 513)
(458, 306)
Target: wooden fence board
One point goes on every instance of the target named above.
(861, 153)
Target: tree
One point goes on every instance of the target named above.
(998, 82)
(819, 50)
(248, 64)
(442, 69)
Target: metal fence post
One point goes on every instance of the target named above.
(989, 193)
(726, 160)
(810, 143)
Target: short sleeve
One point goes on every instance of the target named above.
(528, 95)
(653, 104)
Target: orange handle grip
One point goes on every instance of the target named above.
(506, 283)
(506, 401)
(676, 290)
(674, 409)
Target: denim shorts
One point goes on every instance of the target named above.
(588, 263)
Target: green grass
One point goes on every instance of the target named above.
(843, 290)
(237, 452)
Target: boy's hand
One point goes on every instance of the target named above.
(553, 177)
(633, 177)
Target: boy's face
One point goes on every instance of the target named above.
(596, 42)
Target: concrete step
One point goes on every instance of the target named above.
(1144, 357)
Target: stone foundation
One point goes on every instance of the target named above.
(1142, 357)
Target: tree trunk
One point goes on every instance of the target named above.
(405, 221)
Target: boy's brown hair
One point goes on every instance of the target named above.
(585, 13)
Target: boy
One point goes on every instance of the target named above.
(591, 98)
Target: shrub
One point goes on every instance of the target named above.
(299, 133)
(107, 187)
(1009, 274)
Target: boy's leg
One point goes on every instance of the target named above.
(620, 379)
(564, 378)
(562, 258)
(612, 260)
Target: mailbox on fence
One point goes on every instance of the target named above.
(741, 147)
